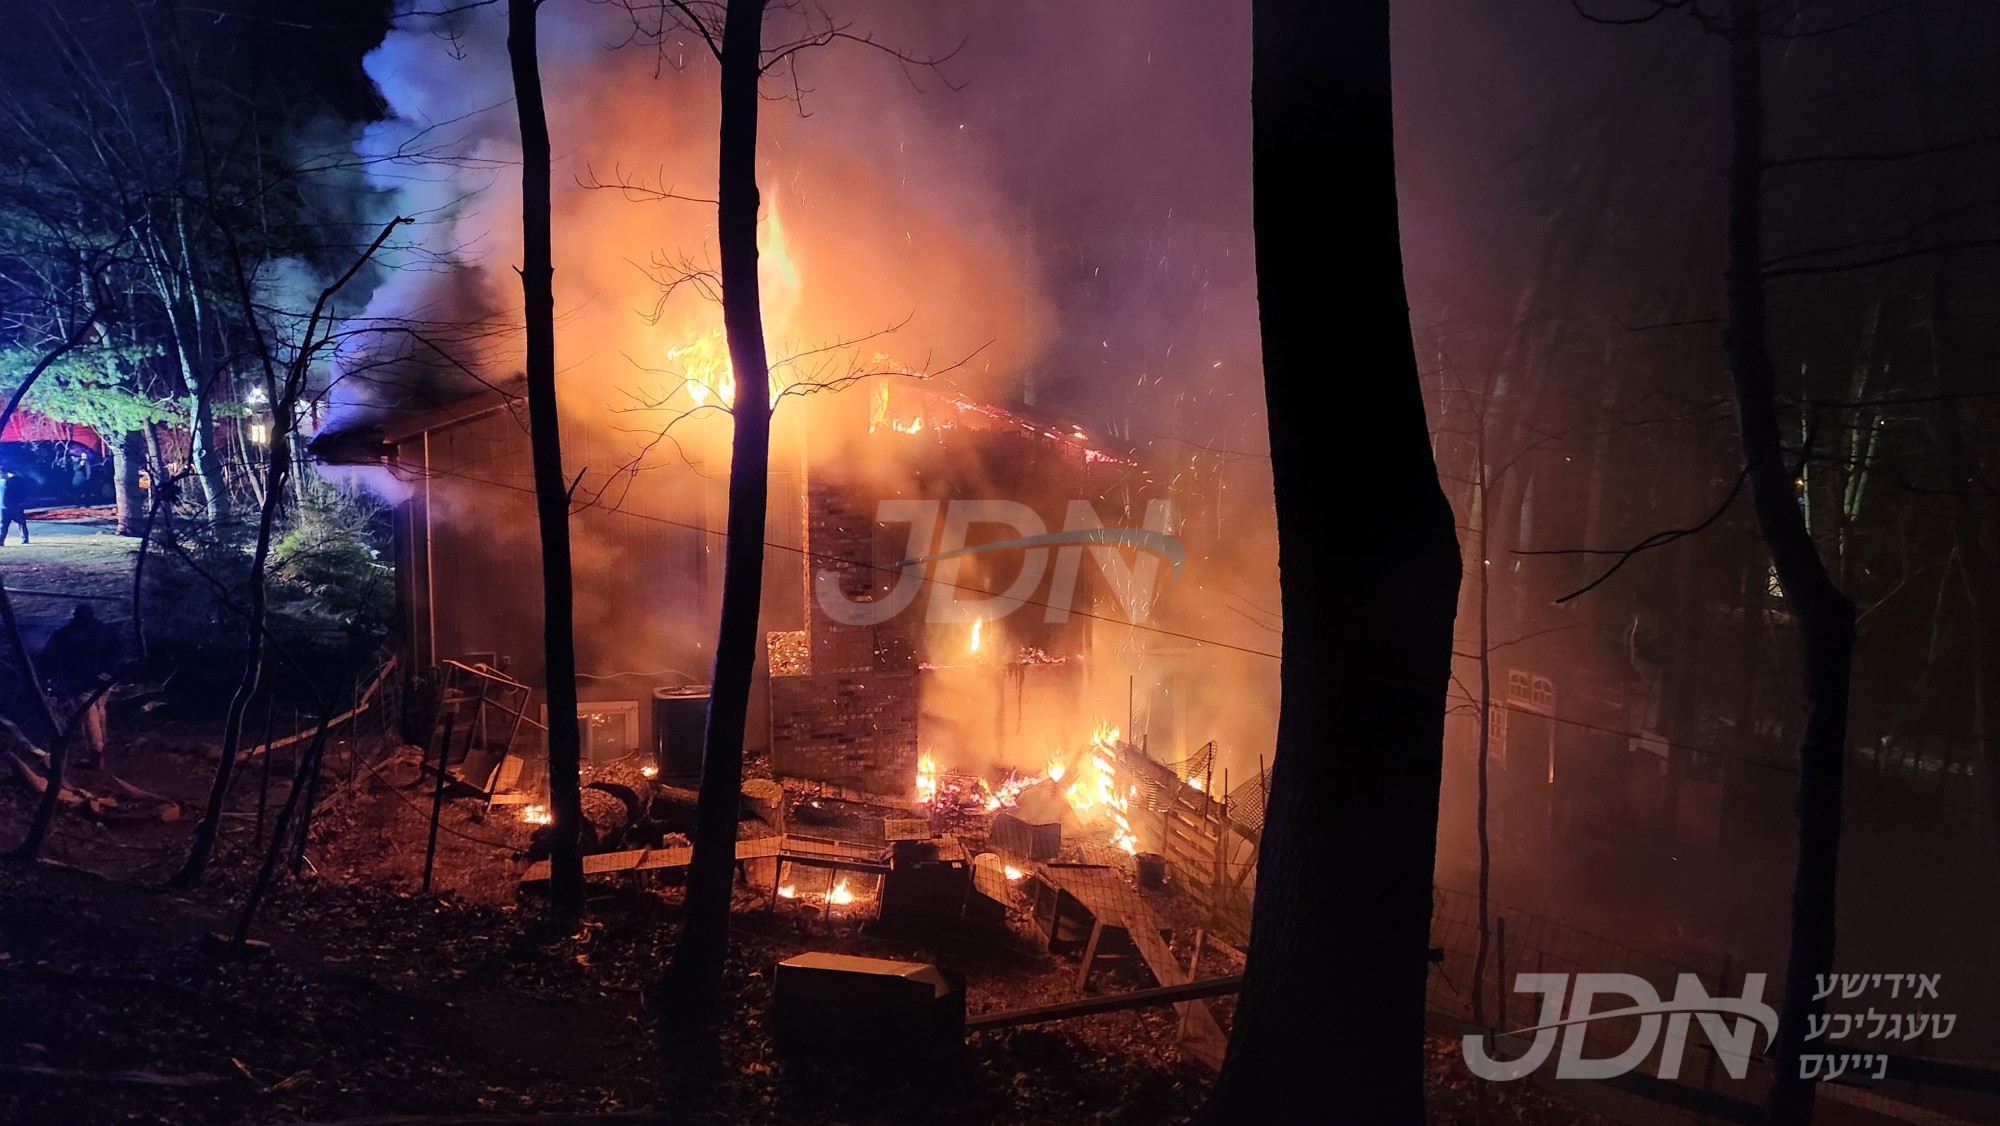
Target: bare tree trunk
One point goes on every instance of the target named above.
(694, 982)
(140, 650)
(1825, 616)
(1484, 570)
(128, 457)
(551, 489)
(1974, 507)
(285, 396)
(1367, 626)
(246, 684)
(267, 872)
(169, 275)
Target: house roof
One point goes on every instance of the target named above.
(369, 441)
(897, 404)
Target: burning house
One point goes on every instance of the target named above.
(904, 621)
(966, 680)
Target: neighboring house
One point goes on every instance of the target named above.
(848, 705)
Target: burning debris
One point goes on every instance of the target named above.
(1094, 792)
(1097, 789)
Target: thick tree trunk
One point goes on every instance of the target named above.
(1975, 513)
(694, 985)
(551, 489)
(1824, 615)
(207, 462)
(128, 457)
(1331, 1023)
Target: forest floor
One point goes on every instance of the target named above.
(374, 999)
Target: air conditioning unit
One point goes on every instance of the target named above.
(680, 719)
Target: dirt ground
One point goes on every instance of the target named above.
(375, 999)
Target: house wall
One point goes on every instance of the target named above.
(648, 585)
(647, 558)
(876, 696)
(852, 720)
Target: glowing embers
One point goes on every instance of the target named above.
(946, 791)
(834, 892)
(536, 815)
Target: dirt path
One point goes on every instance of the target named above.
(64, 562)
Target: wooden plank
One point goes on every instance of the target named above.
(826, 849)
(1111, 1003)
(1202, 1038)
(641, 859)
(1089, 953)
(1195, 826)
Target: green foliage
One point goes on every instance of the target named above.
(332, 557)
(94, 386)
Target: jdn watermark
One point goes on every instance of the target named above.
(1733, 1039)
(1729, 1023)
(1870, 1024)
(1133, 583)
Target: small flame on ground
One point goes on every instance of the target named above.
(1196, 783)
(649, 771)
(536, 815)
(840, 895)
(1014, 873)
(788, 892)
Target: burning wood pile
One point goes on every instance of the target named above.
(1079, 788)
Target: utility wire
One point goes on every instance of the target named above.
(1764, 763)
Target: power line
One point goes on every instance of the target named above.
(1763, 763)
(923, 576)
(1750, 760)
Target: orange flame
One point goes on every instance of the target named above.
(706, 371)
(840, 895)
(536, 815)
(1095, 791)
(978, 627)
(927, 778)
